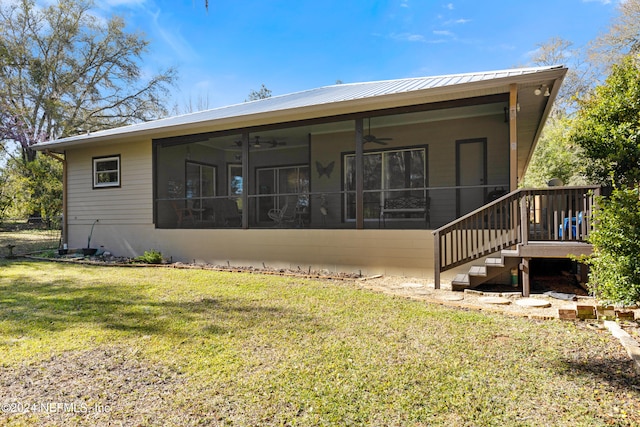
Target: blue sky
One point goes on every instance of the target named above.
(222, 54)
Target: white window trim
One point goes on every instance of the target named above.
(96, 161)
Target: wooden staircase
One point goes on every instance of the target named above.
(513, 258)
(524, 224)
(492, 268)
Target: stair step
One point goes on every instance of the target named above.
(478, 270)
(494, 262)
(510, 253)
(460, 282)
(461, 279)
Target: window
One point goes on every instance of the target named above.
(387, 175)
(235, 183)
(200, 188)
(106, 171)
(288, 185)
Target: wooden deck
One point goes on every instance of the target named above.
(551, 222)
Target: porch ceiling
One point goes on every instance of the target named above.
(298, 135)
(533, 112)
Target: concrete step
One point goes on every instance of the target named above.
(460, 282)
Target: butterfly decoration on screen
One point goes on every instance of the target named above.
(324, 170)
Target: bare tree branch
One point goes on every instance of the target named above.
(62, 71)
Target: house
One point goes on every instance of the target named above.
(349, 177)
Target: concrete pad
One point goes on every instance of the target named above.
(494, 300)
(412, 285)
(452, 298)
(533, 303)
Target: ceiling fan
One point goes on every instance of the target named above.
(273, 143)
(372, 138)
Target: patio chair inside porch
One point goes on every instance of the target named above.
(185, 211)
(226, 213)
(282, 216)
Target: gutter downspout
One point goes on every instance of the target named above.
(63, 160)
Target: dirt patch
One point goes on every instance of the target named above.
(116, 261)
(95, 387)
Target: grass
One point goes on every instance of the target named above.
(238, 349)
(27, 241)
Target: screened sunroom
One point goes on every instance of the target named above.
(414, 168)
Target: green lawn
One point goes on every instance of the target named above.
(161, 346)
(26, 241)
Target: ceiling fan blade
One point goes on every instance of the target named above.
(373, 138)
(274, 143)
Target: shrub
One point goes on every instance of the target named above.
(150, 257)
(614, 276)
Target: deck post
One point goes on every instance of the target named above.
(513, 137)
(436, 258)
(526, 287)
(245, 181)
(524, 221)
(359, 128)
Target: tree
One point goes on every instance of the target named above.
(607, 127)
(63, 71)
(191, 106)
(580, 77)
(263, 93)
(614, 275)
(588, 67)
(622, 38)
(35, 186)
(555, 157)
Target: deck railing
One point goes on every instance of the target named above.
(524, 215)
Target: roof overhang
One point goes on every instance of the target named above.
(352, 99)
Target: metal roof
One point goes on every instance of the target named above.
(323, 97)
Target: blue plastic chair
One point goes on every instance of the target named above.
(575, 222)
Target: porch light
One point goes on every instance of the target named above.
(539, 91)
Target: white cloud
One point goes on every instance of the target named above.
(443, 33)
(408, 37)
(415, 38)
(449, 6)
(173, 38)
(404, 3)
(460, 21)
